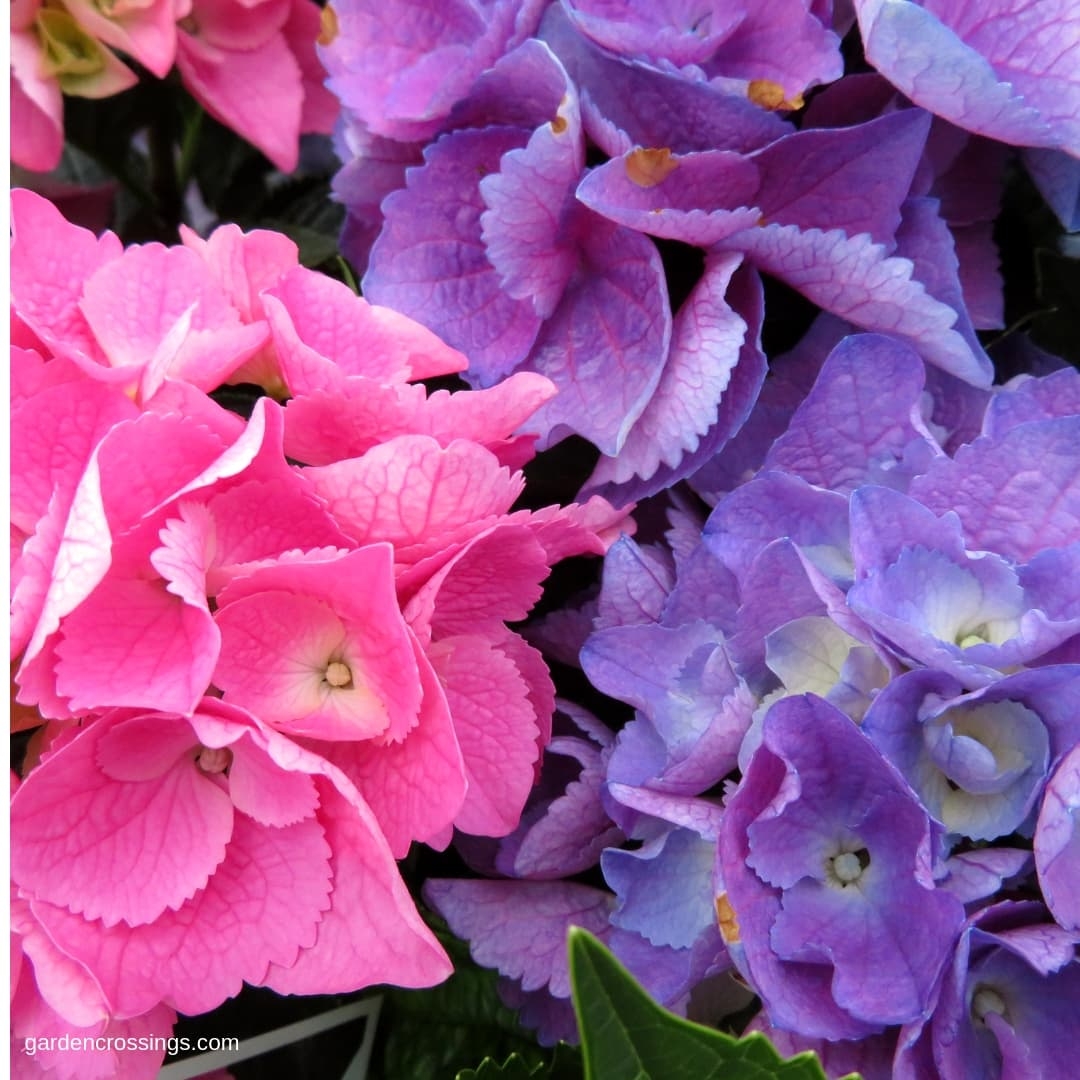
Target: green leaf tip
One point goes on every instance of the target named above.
(625, 1035)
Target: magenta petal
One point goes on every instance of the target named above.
(786, 41)
(851, 178)
(45, 290)
(159, 653)
(525, 201)
(119, 849)
(854, 278)
(261, 905)
(415, 494)
(372, 932)
(697, 198)
(626, 104)
(496, 728)
(605, 345)
(431, 265)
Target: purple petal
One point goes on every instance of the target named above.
(1057, 176)
(626, 104)
(926, 240)
(664, 889)
(525, 200)
(860, 417)
(852, 178)
(707, 343)
(681, 31)
(1029, 398)
(400, 70)
(746, 300)
(636, 583)
(1057, 843)
(605, 345)
(975, 64)
(519, 927)
(1017, 493)
(854, 278)
(429, 261)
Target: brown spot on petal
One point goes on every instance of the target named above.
(559, 125)
(328, 25)
(647, 168)
(726, 920)
(770, 95)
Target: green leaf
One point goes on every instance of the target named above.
(625, 1035)
(565, 1064)
(435, 1033)
(513, 1068)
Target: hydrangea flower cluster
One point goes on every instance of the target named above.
(250, 63)
(517, 173)
(262, 655)
(851, 768)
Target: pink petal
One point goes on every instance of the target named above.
(328, 426)
(256, 92)
(495, 578)
(46, 286)
(317, 322)
(118, 849)
(415, 494)
(283, 625)
(416, 786)
(372, 932)
(264, 791)
(261, 905)
(496, 728)
(146, 32)
(133, 642)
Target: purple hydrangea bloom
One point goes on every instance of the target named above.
(1007, 1006)
(826, 859)
(972, 614)
(977, 761)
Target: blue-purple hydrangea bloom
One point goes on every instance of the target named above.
(849, 777)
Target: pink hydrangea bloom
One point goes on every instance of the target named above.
(173, 858)
(252, 65)
(274, 652)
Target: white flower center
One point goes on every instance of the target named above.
(986, 1000)
(338, 675)
(846, 867)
